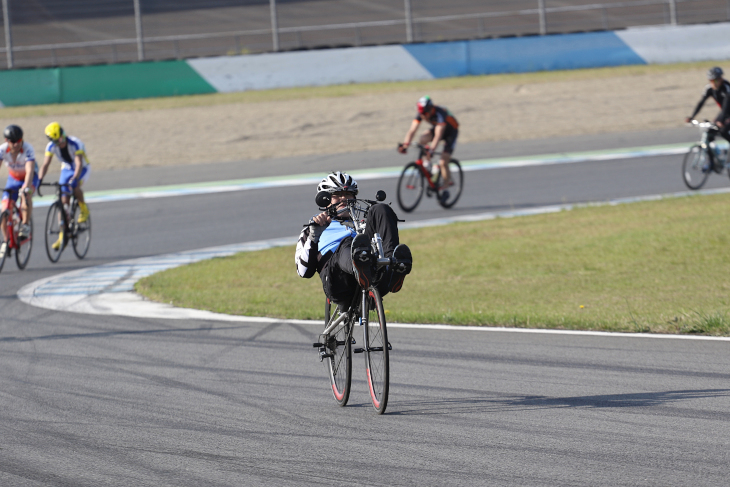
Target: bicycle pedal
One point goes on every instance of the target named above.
(359, 350)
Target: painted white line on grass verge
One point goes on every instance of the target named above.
(108, 289)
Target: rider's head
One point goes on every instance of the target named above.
(13, 133)
(338, 182)
(54, 132)
(714, 75)
(424, 105)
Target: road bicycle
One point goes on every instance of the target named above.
(704, 157)
(421, 175)
(15, 244)
(365, 310)
(62, 218)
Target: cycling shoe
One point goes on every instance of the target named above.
(403, 263)
(362, 260)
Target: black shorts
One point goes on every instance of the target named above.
(450, 135)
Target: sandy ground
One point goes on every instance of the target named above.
(322, 126)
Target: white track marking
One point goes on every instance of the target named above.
(108, 289)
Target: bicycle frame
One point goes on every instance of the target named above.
(425, 172)
(12, 210)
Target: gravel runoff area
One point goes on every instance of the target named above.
(255, 131)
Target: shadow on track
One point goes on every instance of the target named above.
(482, 404)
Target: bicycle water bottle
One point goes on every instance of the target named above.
(435, 172)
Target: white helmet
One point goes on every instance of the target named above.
(338, 181)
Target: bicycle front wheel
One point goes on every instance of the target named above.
(81, 234)
(696, 167)
(54, 228)
(339, 363)
(447, 197)
(25, 245)
(376, 349)
(410, 187)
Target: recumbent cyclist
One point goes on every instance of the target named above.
(341, 256)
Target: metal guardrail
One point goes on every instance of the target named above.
(541, 13)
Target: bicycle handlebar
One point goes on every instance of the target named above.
(704, 125)
(47, 184)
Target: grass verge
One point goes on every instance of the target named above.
(659, 267)
(347, 90)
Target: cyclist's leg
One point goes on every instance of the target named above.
(725, 130)
(79, 194)
(338, 276)
(26, 201)
(449, 145)
(67, 185)
(10, 198)
(383, 220)
(6, 202)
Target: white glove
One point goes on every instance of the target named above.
(315, 231)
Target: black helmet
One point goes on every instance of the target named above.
(714, 73)
(13, 133)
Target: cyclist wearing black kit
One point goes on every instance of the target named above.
(719, 90)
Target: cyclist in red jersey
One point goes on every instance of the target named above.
(444, 127)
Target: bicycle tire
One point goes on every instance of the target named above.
(448, 197)
(695, 160)
(410, 187)
(55, 222)
(81, 233)
(377, 364)
(24, 247)
(339, 365)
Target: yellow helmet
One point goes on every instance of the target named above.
(54, 131)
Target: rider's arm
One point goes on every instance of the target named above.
(44, 168)
(702, 102)
(29, 173)
(305, 257)
(411, 132)
(77, 166)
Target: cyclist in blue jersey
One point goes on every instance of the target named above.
(19, 156)
(444, 126)
(74, 168)
(341, 256)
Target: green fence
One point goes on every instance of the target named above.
(104, 82)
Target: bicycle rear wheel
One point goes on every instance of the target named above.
(376, 349)
(25, 245)
(410, 187)
(696, 167)
(54, 227)
(448, 197)
(81, 233)
(339, 347)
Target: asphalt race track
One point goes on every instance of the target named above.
(91, 400)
